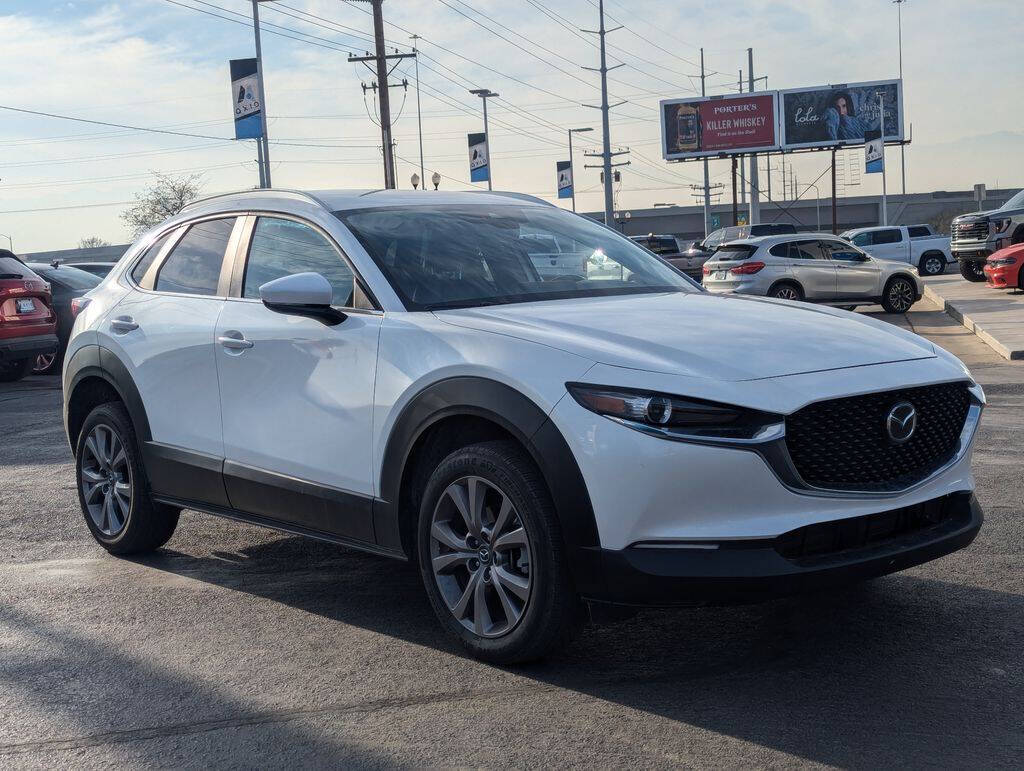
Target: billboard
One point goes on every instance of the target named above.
(826, 116)
(719, 125)
(245, 93)
(479, 168)
(563, 169)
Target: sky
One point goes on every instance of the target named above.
(163, 64)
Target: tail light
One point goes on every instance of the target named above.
(747, 268)
(78, 305)
(707, 270)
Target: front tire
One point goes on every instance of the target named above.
(112, 486)
(898, 296)
(492, 557)
(972, 270)
(11, 371)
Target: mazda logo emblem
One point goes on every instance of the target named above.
(901, 422)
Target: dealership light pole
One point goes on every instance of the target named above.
(262, 93)
(485, 94)
(10, 241)
(572, 167)
(707, 179)
(881, 118)
(903, 147)
(419, 113)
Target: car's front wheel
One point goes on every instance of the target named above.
(491, 555)
(899, 295)
(972, 270)
(112, 486)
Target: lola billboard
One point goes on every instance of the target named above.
(719, 125)
(826, 116)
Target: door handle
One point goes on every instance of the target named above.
(123, 324)
(234, 341)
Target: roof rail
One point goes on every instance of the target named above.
(271, 190)
(510, 194)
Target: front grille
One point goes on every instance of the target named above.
(839, 538)
(844, 444)
(970, 231)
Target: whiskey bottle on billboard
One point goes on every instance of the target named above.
(687, 128)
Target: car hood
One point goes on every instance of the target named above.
(701, 335)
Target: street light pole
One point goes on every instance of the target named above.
(263, 96)
(485, 94)
(903, 148)
(10, 241)
(572, 167)
(419, 113)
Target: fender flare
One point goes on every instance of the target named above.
(524, 420)
(96, 361)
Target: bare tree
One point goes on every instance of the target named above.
(164, 198)
(92, 242)
(943, 221)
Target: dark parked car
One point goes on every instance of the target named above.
(668, 248)
(66, 283)
(700, 252)
(100, 269)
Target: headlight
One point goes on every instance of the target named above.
(1000, 225)
(676, 417)
(1002, 261)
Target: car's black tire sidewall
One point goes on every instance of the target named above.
(148, 525)
(12, 371)
(553, 611)
(774, 290)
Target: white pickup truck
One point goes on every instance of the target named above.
(917, 245)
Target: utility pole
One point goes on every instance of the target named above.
(755, 197)
(606, 153)
(419, 113)
(743, 187)
(735, 204)
(707, 179)
(485, 94)
(572, 167)
(380, 59)
(903, 148)
(264, 145)
(881, 117)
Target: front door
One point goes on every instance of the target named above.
(810, 265)
(857, 275)
(163, 335)
(297, 394)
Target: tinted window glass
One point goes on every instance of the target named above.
(465, 256)
(862, 239)
(69, 278)
(13, 269)
(734, 252)
(798, 250)
(890, 236)
(918, 231)
(843, 251)
(143, 265)
(194, 265)
(282, 247)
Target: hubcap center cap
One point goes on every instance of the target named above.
(485, 555)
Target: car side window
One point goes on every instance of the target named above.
(918, 231)
(193, 267)
(862, 239)
(798, 250)
(151, 254)
(282, 247)
(888, 236)
(843, 252)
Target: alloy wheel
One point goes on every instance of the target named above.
(43, 362)
(106, 480)
(787, 293)
(901, 296)
(481, 557)
(933, 266)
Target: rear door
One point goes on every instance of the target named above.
(297, 394)
(809, 264)
(163, 333)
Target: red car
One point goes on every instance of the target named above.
(1005, 268)
(28, 325)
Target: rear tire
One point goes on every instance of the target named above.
(112, 486)
(499, 584)
(932, 264)
(786, 291)
(898, 296)
(972, 270)
(11, 371)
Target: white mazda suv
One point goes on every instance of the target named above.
(394, 372)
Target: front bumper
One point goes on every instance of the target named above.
(1002, 277)
(810, 558)
(27, 347)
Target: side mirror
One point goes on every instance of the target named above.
(302, 294)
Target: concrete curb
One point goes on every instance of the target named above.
(990, 339)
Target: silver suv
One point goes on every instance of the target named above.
(816, 267)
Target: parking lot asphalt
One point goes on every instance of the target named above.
(239, 647)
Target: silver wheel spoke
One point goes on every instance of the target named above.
(518, 585)
(513, 540)
(89, 493)
(512, 614)
(443, 533)
(458, 495)
(116, 516)
(90, 445)
(446, 562)
(105, 480)
(92, 476)
(482, 622)
(476, 505)
(501, 521)
(460, 607)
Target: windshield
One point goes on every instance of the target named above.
(1017, 202)
(464, 256)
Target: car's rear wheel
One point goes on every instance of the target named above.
(972, 270)
(932, 265)
(899, 295)
(786, 291)
(491, 555)
(15, 370)
(112, 486)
